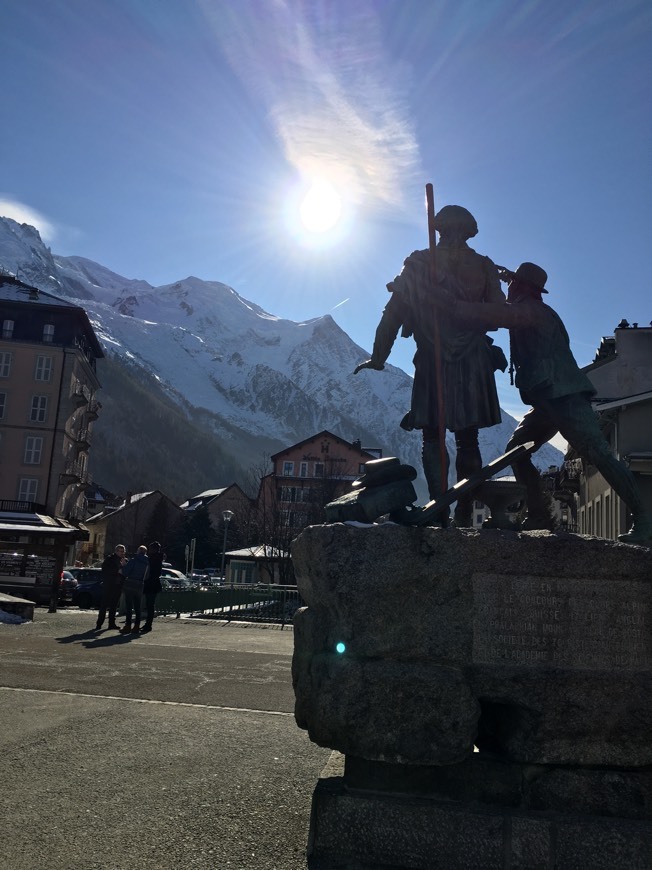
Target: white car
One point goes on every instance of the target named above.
(175, 579)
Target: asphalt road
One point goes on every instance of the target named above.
(175, 749)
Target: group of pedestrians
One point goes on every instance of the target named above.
(138, 578)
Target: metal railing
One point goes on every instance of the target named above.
(23, 507)
(239, 603)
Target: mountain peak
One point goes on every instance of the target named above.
(251, 380)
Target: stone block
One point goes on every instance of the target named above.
(549, 635)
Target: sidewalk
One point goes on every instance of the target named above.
(175, 749)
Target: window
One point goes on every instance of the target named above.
(288, 469)
(7, 328)
(3, 405)
(303, 469)
(242, 572)
(479, 519)
(319, 469)
(48, 332)
(39, 410)
(33, 450)
(43, 370)
(27, 489)
(5, 365)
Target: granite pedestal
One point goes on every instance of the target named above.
(531, 647)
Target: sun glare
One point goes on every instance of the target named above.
(321, 207)
(317, 214)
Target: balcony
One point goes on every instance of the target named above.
(73, 473)
(21, 507)
(93, 411)
(82, 440)
(80, 397)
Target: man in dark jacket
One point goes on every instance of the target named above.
(467, 356)
(152, 585)
(135, 572)
(111, 586)
(549, 379)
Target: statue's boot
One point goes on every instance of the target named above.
(431, 456)
(640, 532)
(468, 462)
(538, 512)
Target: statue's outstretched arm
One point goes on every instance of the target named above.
(386, 334)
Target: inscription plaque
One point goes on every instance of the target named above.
(562, 622)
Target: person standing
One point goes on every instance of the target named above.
(549, 379)
(111, 586)
(135, 572)
(152, 584)
(468, 356)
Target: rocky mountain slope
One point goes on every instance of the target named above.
(242, 383)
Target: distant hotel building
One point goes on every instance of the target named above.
(48, 381)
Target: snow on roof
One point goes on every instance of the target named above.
(203, 498)
(262, 551)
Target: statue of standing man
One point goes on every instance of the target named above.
(467, 355)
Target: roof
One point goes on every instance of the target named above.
(324, 434)
(110, 511)
(608, 404)
(262, 551)
(13, 522)
(14, 290)
(203, 498)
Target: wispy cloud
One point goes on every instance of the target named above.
(337, 102)
(25, 214)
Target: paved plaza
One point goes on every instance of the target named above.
(175, 749)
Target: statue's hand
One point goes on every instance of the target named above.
(369, 364)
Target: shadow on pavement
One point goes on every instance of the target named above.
(91, 640)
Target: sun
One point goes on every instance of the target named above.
(321, 207)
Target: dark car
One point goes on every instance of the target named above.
(67, 586)
(88, 592)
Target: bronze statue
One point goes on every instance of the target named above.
(468, 357)
(550, 380)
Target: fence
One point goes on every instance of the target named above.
(243, 602)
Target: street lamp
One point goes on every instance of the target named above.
(227, 516)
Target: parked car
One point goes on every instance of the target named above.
(88, 592)
(176, 580)
(67, 585)
(208, 583)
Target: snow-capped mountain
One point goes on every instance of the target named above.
(255, 381)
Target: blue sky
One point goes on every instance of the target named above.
(167, 138)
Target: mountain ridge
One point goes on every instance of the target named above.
(254, 382)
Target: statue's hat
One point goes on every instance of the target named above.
(528, 272)
(532, 274)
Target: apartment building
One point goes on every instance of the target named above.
(311, 473)
(48, 381)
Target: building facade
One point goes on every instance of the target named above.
(139, 519)
(622, 376)
(48, 382)
(308, 475)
